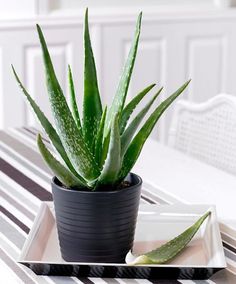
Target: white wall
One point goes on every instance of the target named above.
(174, 46)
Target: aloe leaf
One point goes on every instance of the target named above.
(99, 138)
(74, 108)
(128, 110)
(121, 93)
(172, 248)
(133, 126)
(72, 140)
(92, 107)
(61, 172)
(113, 161)
(138, 141)
(49, 129)
(105, 146)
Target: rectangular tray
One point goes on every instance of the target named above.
(156, 224)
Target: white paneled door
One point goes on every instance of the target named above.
(172, 49)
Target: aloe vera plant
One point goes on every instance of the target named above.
(100, 148)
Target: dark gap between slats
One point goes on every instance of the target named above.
(14, 219)
(148, 200)
(86, 280)
(229, 247)
(25, 181)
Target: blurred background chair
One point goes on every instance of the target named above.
(207, 131)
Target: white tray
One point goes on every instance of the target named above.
(156, 224)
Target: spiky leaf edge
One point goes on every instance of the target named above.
(47, 126)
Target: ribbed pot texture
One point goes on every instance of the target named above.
(96, 226)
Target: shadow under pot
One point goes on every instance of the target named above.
(96, 226)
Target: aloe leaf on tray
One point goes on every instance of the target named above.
(171, 249)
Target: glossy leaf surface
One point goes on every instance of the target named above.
(113, 161)
(74, 107)
(134, 124)
(120, 96)
(73, 142)
(137, 143)
(128, 110)
(92, 107)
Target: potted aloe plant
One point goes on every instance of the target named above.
(96, 197)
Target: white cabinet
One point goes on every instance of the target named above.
(173, 48)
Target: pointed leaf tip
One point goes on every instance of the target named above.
(121, 93)
(92, 106)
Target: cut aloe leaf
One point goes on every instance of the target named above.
(72, 140)
(74, 107)
(169, 250)
(61, 172)
(128, 110)
(92, 107)
(120, 96)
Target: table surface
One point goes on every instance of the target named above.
(169, 177)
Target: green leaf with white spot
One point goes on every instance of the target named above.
(73, 103)
(72, 140)
(105, 146)
(133, 126)
(121, 93)
(113, 161)
(62, 173)
(49, 129)
(128, 110)
(172, 248)
(99, 138)
(138, 141)
(92, 107)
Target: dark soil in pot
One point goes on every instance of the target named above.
(96, 226)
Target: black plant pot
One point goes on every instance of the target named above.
(96, 226)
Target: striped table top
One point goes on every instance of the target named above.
(25, 183)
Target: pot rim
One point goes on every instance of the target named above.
(55, 183)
